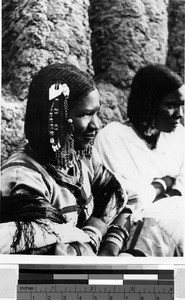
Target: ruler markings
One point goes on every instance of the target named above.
(103, 285)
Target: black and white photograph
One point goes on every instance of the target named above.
(92, 129)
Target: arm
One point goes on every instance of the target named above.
(34, 222)
(122, 152)
(36, 235)
(179, 183)
(109, 195)
(109, 199)
(165, 187)
(120, 156)
(117, 234)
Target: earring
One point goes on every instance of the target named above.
(70, 122)
(53, 126)
(88, 151)
(67, 151)
(151, 131)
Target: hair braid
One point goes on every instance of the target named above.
(38, 106)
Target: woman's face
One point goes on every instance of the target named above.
(85, 119)
(171, 110)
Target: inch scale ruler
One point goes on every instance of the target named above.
(94, 292)
(95, 285)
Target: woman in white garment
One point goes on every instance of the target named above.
(147, 150)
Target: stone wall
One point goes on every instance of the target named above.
(125, 35)
(39, 32)
(176, 38)
(36, 33)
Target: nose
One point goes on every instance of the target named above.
(179, 112)
(95, 122)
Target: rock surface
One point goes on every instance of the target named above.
(125, 36)
(176, 39)
(109, 38)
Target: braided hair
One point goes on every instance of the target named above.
(36, 119)
(149, 86)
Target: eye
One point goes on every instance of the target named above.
(87, 115)
(170, 106)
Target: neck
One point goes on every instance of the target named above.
(149, 137)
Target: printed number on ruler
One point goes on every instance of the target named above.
(85, 292)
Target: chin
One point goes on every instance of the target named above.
(170, 129)
(81, 146)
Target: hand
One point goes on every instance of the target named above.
(108, 249)
(174, 192)
(169, 181)
(162, 185)
(145, 197)
(68, 234)
(71, 249)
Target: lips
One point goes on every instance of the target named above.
(89, 136)
(175, 123)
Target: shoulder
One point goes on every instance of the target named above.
(113, 131)
(21, 173)
(177, 134)
(16, 159)
(179, 129)
(94, 162)
(21, 159)
(173, 141)
(112, 128)
(22, 165)
(96, 159)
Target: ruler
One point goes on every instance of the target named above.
(94, 292)
(78, 284)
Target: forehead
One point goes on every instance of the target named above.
(176, 96)
(89, 102)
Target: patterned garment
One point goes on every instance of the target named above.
(91, 190)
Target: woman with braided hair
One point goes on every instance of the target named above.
(57, 197)
(147, 151)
